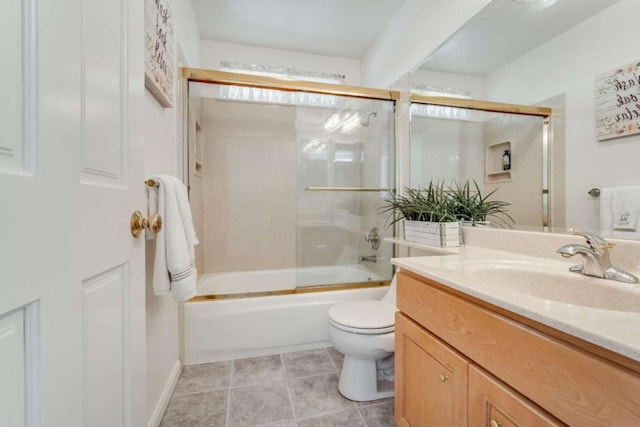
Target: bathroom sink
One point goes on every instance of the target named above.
(555, 285)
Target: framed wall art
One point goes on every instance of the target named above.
(618, 102)
(159, 60)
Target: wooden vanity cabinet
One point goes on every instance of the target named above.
(499, 369)
(431, 379)
(493, 404)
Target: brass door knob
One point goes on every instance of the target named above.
(494, 423)
(138, 223)
(443, 378)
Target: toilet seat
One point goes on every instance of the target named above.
(363, 317)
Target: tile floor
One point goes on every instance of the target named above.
(285, 390)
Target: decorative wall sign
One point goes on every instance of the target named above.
(618, 102)
(159, 60)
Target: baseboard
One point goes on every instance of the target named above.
(158, 412)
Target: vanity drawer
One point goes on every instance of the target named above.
(576, 387)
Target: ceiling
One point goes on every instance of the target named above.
(505, 30)
(342, 28)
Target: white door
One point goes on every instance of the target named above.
(72, 333)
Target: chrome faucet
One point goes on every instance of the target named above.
(596, 260)
(370, 258)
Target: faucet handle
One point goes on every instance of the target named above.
(593, 240)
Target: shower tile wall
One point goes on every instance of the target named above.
(524, 192)
(442, 149)
(249, 186)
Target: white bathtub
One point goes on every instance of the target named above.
(282, 279)
(227, 329)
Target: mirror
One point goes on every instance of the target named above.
(549, 52)
(500, 153)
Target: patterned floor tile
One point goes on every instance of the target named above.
(259, 404)
(197, 409)
(337, 357)
(209, 376)
(317, 395)
(349, 418)
(307, 363)
(257, 370)
(379, 415)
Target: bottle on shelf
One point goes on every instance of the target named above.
(506, 160)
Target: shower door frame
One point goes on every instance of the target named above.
(199, 75)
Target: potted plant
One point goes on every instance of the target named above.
(472, 208)
(433, 215)
(427, 215)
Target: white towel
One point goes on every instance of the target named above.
(174, 265)
(619, 211)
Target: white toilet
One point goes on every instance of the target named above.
(364, 332)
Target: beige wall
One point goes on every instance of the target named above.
(161, 135)
(249, 186)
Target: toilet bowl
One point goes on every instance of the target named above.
(364, 332)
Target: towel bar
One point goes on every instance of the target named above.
(594, 192)
(346, 189)
(152, 183)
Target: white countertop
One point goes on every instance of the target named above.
(618, 331)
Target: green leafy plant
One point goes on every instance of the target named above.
(441, 203)
(420, 204)
(470, 205)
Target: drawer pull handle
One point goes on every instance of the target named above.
(443, 378)
(494, 423)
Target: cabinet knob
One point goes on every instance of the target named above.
(443, 378)
(494, 423)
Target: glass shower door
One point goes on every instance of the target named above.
(345, 169)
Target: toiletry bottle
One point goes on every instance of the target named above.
(506, 160)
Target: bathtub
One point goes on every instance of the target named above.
(282, 279)
(224, 329)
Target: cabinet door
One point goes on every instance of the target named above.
(494, 404)
(431, 379)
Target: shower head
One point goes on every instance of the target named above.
(365, 122)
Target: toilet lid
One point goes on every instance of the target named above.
(363, 314)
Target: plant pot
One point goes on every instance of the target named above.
(446, 234)
(480, 224)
